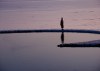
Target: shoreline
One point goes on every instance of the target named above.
(49, 30)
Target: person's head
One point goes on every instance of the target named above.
(61, 17)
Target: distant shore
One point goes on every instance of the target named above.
(49, 30)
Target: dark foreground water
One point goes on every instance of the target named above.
(39, 52)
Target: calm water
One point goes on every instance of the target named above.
(39, 51)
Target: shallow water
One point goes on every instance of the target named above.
(39, 51)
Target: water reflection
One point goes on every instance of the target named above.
(93, 43)
(35, 53)
(62, 37)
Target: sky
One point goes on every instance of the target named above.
(30, 13)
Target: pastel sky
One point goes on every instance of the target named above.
(28, 14)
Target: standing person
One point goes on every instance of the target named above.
(62, 23)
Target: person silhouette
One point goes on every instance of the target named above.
(62, 23)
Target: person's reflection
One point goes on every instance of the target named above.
(62, 37)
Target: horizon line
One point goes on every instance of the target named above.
(50, 30)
